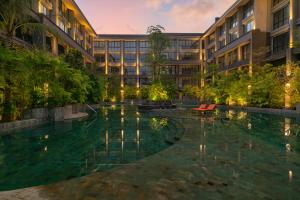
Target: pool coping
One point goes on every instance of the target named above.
(272, 111)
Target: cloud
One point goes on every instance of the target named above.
(156, 4)
(197, 15)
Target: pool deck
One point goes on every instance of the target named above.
(184, 171)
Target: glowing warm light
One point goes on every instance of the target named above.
(122, 120)
(46, 148)
(242, 115)
(290, 175)
(113, 99)
(287, 127)
(138, 135)
(122, 135)
(46, 137)
(249, 126)
(288, 148)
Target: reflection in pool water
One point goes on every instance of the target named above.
(54, 152)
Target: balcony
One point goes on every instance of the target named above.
(233, 65)
(65, 37)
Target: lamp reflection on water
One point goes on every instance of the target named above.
(287, 127)
(290, 175)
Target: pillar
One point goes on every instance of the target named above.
(54, 45)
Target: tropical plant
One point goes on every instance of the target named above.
(75, 59)
(14, 15)
(157, 92)
(158, 44)
(130, 92)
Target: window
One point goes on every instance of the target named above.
(115, 70)
(233, 36)
(143, 57)
(248, 9)
(221, 61)
(233, 21)
(248, 27)
(189, 56)
(233, 57)
(222, 43)
(210, 52)
(100, 58)
(114, 46)
(189, 44)
(130, 58)
(99, 46)
(130, 46)
(130, 71)
(130, 81)
(173, 44)
(211, 38)
(281, 17)
(144, 45)
(222, 30)
(280, 43)
(246, 52)
(114, 57)
(145, 70)
(171, 56)
(43, 10)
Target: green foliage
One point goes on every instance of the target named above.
(144, 92)
(75, 59)
(267, 87)
(158, 44)
(192, 91)
(30, 79)
(97, 90)
(130, 92)
(264, 89)
(157, 92)
(295, 85)
(112, 89)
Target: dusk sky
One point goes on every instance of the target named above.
(134, 16)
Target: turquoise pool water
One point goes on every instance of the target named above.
(241, 154)
(61, 151)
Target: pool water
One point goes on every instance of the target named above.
(50, 153)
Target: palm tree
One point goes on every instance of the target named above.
(158, 44)
(15, 15)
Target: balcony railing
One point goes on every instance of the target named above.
(65, 37)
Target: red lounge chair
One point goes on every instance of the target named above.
(211, 107)
(201, 107)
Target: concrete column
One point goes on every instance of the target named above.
(122, 63)
(240, 53)
(226, 32)
(137, 64)
(106, 58)
(55, 11)
(84, 38)
(217, 46)
(292, 22)
(54, 45)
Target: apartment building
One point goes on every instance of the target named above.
(252, 32)
(67, 28)
(125, 56)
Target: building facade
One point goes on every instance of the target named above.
(252, 32)
(66, 25)
(125, 56)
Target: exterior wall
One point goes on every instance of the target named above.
(124, 56)
(68, 27)
(262, 48)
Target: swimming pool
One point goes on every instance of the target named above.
(117, 136)
(227, 155)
